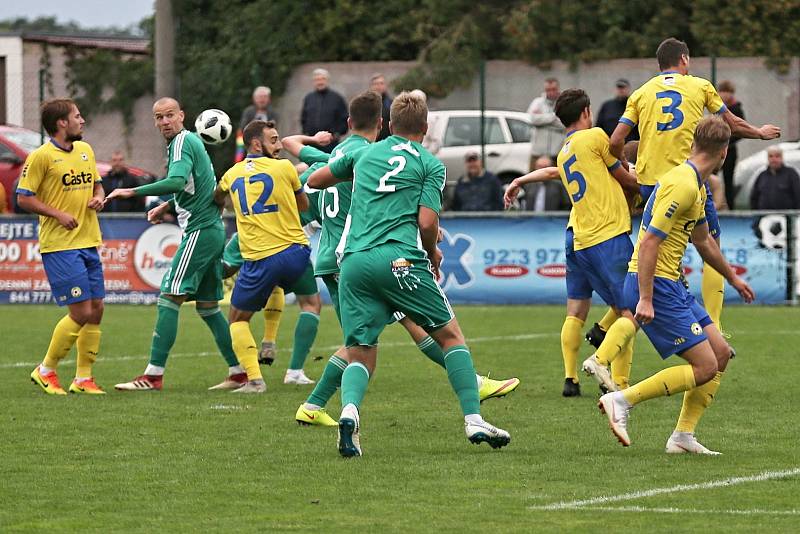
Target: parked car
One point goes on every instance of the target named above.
(748, 169)
(507, 134)
(15, 145)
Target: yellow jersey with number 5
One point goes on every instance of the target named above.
(599, 209)
(667, 109)
(262, 191)
(675, 207)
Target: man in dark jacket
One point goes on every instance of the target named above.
(119, 177)
(778, 187)
(727, 92)
(478, 189)
(324, 110)
(612, 110)
(377, 83)
(261, 109)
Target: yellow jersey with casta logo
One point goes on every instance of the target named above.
(599, 209)
(675, 207)
(63, 180)
(263, 192)
(667, 109)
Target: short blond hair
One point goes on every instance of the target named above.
(408, 115)
(711, 135)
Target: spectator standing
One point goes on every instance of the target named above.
(324, 110)
(478, 189)
(546, 196)
(612, 110)
(548, 132)
(260, 109)
(119, 177)
(727, 92)
(377, 83)
(777, 187)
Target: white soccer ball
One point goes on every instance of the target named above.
(213, 126)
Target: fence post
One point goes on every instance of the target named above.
(791, 260)
(41, 101)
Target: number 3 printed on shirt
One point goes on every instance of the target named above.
(575, 176)
(675, 99)
(383, 186)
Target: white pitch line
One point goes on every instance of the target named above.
(767, 475)
(644, 509)
(326, 348)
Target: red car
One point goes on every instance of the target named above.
(15, 145)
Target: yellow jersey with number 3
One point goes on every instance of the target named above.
(675, 207)
(262, 191)
(599, 209)
(667, 109)
(63, 180)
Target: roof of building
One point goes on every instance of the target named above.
(121, 43)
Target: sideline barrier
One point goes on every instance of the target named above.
(508, 258)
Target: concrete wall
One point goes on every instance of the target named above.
(766, 96)
(144, 147)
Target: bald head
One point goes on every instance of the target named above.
(168, 117)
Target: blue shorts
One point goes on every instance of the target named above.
(601, 268)
(711, 210)
(74, 275)
(679, 319)
(258, 278)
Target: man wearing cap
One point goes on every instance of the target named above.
(478, 189)
(612, 110)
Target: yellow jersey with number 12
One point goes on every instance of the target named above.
(667, 109)
(599, 209)
(262, 191)
(63, 180)
(675, 207)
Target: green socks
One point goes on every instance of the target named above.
(220, 328)
(354, 384)
(165, 331)
(461, 373)
(329, 382)
(432, 350)
(304, 334)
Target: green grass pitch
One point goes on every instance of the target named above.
(187, 459)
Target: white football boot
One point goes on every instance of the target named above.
(686, 443)
(616, 409)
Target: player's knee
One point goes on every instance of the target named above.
(98, 307)
(310, 303)
(81, 314)
(705, 371)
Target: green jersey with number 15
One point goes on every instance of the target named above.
(392, 179)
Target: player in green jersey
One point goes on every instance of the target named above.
(196, 271)
(333, 202)
(397, 195)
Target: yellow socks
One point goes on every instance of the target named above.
(617, 338)
(88, 347)
(695, 402)
(664, 383)
(245, 348)
(272, 314)
(621, 366)
(571, 345)
(608, 319)
(64, 335)
(713, 289)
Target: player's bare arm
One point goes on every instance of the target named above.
(98, 197)
(220, 196)
(322, 178)
(625, 179)
(648, 254)
(293, 144)
(742, 128)
(617, 140)
(539, 175)
(34, 205)
(428, 221)
(302, 200)
(156, 215)
(709, 250)
(122, 192)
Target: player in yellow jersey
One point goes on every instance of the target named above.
(670, 316)
(597, 244)
(267, 198)
(61, 184)
(667, 110)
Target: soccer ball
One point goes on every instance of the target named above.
(213, 126)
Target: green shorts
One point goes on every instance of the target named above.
(306, 285)
(332, 283)
(376, 283)
(196, 269)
